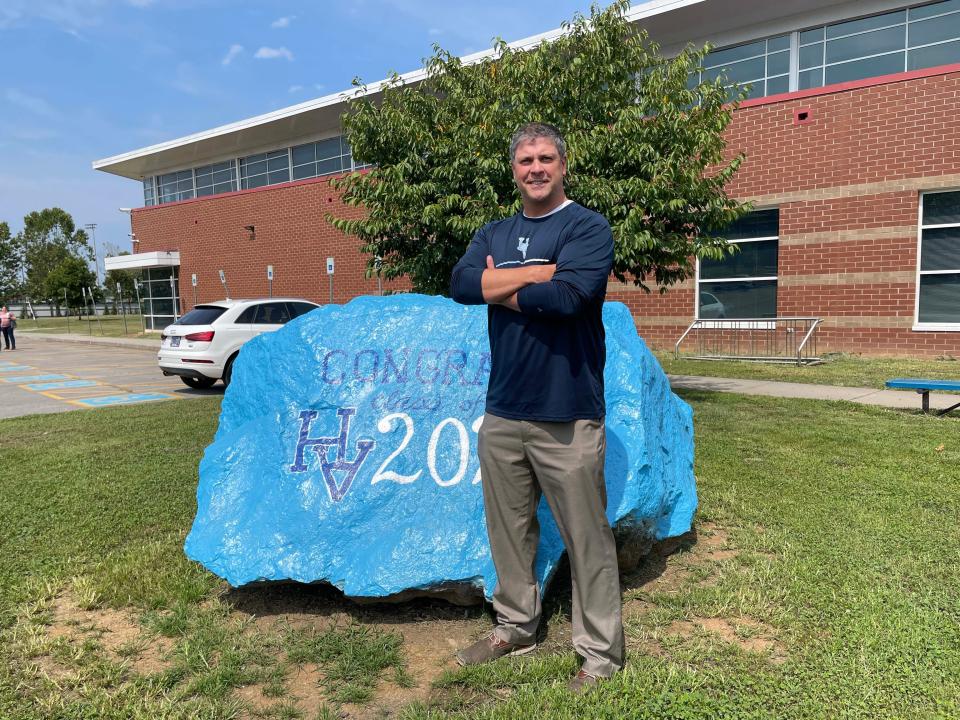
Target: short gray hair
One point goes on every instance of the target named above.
(534, 130)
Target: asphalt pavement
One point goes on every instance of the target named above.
(49, 374)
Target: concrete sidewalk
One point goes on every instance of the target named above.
(145, 344)
(865, 396)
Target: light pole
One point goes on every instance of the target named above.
(92, 227)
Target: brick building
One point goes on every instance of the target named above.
(852, 164)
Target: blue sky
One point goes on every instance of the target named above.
(86, 79)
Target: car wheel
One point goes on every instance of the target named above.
(228, 371)
(198, 383)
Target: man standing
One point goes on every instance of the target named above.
(543, 274)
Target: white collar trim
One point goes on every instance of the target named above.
(557, 209)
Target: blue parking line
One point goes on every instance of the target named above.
(128, 399)
(14, 368)
(61, 385)
(34, 378)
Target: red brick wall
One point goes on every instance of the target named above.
(291, 233)
(847, 184)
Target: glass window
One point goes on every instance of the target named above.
(149, 198)
(743, 284)
(810, 79)
(264, 169)
(923, 37)
(214, 179)
(938, 293)
(863, 24)
(811, 56)
(871, 43)
(300, 308)
(246, 317)
(941, 249)
(933, 55)
(275, 313)
(778, 85)
(754, 259)
(324, 157)
(809, 36)
(778, 64)
(751, 64)
(925, 11)
(175, 186)
(860, 69)
(934, 30)
(751, 299)
(202, 315)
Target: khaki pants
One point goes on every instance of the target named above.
(519, 460)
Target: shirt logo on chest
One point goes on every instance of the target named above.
(522, 245)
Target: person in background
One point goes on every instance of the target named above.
(8, 321)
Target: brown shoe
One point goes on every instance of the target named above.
(582, 682)
(490, 648)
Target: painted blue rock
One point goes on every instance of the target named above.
(346, 452)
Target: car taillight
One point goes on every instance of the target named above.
(205, 336)
(163, 337)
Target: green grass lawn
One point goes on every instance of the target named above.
(838, 369)
(104, 325)
(838, 581)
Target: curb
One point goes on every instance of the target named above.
(144, 346)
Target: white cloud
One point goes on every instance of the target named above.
(320, 86)
(268, 53)
(37, 106)
(231, 54)
(141, 3)
(434, 31)
(295, 88)
(282, 22)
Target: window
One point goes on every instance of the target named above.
(275, 313)
(175, 186)
(743, 285)
(265, 169)
(149, 197)
(202, 315)
(321, 158)
(300, 308)
(214, 179)
(938, 286)
(893, 42)
(764, 65)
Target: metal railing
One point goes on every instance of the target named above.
(783, 340)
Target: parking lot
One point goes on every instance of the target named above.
(47, 376)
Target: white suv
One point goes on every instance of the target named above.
(201, 346)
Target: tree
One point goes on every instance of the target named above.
(644, 149)
(68, 277)
(11, 261)
(126, 279)
(48, 237)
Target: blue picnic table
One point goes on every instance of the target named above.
(924, 387)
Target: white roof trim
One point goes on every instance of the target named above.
(162, 258)
(647, 9)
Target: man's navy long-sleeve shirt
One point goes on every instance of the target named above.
(546, 360)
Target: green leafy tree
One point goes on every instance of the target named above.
(67, 278)
(48, 237)
(11, 260)
(644, 149)
(126, 279)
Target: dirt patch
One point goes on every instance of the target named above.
(432, 631)
(118, 633)
(746, 633)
